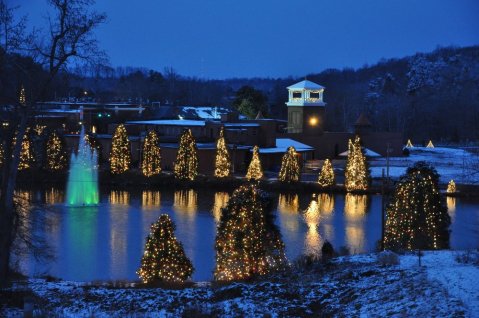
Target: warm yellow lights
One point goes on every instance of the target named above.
(326, 176)
(255, 171)
(430, 144)
(313, 121)
(222, 162)
(290, 167)
(120, 155)
(151, 163)
(357, 172)
(186, 164)
(451, 187)
(56, 154)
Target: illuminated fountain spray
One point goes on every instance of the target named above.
(82, 186)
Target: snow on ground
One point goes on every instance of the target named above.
(353, 286)
(450, 163)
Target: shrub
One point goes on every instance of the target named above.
(388, 258)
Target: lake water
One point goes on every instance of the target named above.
(106, 242)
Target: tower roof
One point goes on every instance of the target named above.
(306, 85)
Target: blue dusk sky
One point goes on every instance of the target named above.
(273, 38)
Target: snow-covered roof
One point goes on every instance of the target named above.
(282, 145)
(169, 122)
(241, 125)
(61, 111)
(368, 152)
(306, 85)
(205, 112)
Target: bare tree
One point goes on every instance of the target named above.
(11, 29)
(70, 37)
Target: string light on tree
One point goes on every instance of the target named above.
(417, 215)
(451, 187)
(186, 164)
(357, 172)
(26, 154)
(151, 164)
(22, 98)
(255, 171)
(326, 176)
(409, 144)
(164, 258)
(248, 243)
(56, 154)
(120, 155)
(222, 162)
(429, 144)
(290, 167)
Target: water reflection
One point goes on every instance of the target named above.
(355, 207)
(221, 200)
(185, 201)
(313, 240)
(288, 203)
(54, 196)
(326, 203)
(451, 204)
(120, 197)
(151, 199)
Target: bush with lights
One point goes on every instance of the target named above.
(248, 243)
(222, 162)
(120, 154)
(451, 187)
(417, 215)
(357, 174)
(255, 171)
(290, 166)
(27, 158)
(151, 164)
(326, 176)
(164, 258)
(186, 164)
(56, 154)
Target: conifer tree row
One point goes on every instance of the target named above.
(186, 164)
(120, 154)
(151, 163)
(255, 170)
(357, 173)
(326, 176)
(222, 162)
(290, 167)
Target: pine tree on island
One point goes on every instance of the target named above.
(164, 258)
(186, 164)
(120, 154)
(27, 158)
(248, 243)
(290, 167)
(56, 154)
(417, 215)
(222, 162)
(357, 173)
(151, 164)
(326, 176)
(255, 171)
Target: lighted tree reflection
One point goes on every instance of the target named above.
(221, 200)
(150, 198)
(451, 204)
(185, 201)
(54, 196)
(355, 207)
(313, 240)
(288, 208)
(120, 197)
(326, 203)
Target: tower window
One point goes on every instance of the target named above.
(297, 94)
(314, 95)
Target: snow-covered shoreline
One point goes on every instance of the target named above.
(348, 286)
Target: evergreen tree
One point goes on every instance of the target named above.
(290, 167)
(56, 154)
(222, 162)
(326, 176)
(26, 155)
(417, 216)
(248, 243)
(120, 154)
(451, 187)
(2, 154)
(186, 164)
(164, 258)
(151, 164)
(255, 171)
(357, 173)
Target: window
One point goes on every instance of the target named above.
(297, 95)
(314, 95)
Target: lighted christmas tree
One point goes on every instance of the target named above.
(56, 154)
(164, 258)
(429, 144)
(248, 243)
(222, 162)
(120, 155)
(186, 164)
(417, 216)
(26, 154)
(151, 164)
(451, 187)
(357, 172)
(409, 144)
(2, 154)
(255, 171)
(326, 176)
(290, 166)
(22, 98)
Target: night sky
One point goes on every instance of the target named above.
(272, 38)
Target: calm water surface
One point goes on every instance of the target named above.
(106, 242)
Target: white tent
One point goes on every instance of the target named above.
(367, 152)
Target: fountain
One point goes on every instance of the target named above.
(82, 185)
